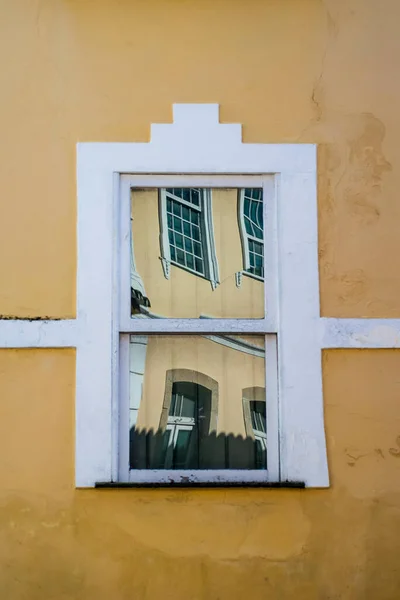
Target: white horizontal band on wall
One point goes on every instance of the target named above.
(334, 333)
(23, 333)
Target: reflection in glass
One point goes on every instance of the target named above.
(189, 249)
(184, 232)
(197, 402)
(259, 424)
(253, 238)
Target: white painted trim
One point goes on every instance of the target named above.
(271, 270)
(303, 450)
(138, 324)
(199, 475)
(115, 336)
(359, 333)
(21, 333)
(196, 143)
(203, 180)
(272, 408)
(124, 408)
(95, 304)
(364, 333)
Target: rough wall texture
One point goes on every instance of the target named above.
(298, 70)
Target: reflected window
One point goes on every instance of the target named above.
(255, 419)
(251, 222)
(187, 236)
(185, 224)
(181, 441)
(259, 423)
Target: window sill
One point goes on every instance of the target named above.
(253, 276)
(202, 484)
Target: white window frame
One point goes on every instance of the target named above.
(207, 231)
(245, 237)
(266, 326)
(197, 144)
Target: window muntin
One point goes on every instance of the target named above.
(251, 222)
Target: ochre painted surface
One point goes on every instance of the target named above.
(293, 71)
(61, 543)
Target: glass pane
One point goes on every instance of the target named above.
(188, 248)
(197, 402)
(183, 458)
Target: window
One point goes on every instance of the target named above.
(181, 436)
(251, 223)
(141, 373)
(255, 417)
(186, 232)
(170, 438)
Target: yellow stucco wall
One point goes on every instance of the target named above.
(293, 70)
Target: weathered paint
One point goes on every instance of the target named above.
(299, 70)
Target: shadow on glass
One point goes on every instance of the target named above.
(197, 402)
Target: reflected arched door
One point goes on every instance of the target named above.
(188, 421)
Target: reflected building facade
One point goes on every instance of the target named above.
(197, 402)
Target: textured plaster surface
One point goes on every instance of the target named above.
(299, 70)
(309, 70)
(57, 542)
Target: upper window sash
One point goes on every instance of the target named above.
(266, 325)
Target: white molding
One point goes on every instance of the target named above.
(195, 143)
(23, 333)
(303, 448)
(365, 333)
(359, 333)
(198, 475)
(141, 324)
